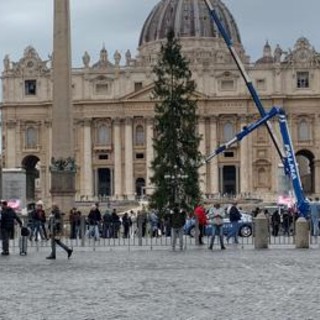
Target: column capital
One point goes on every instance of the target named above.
(48, 123)
(214, 119)
(11, 124)
(117, 121)
(87, 122)
(149, 121)
(201, 119)
(128, 120)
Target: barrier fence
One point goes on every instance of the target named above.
(145, 237)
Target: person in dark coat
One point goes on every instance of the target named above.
(107, 221)
(94, 218)
(56, 229)
(126, 222)
(8, 216)
(275, 222)
(235, 217)
(115, 223)
(177, 221)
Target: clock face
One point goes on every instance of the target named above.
(303, 55)
(30, 64)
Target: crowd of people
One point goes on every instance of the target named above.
(169, 223)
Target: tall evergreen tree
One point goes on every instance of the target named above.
(176, 144)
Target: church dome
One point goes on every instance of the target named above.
(188, 18)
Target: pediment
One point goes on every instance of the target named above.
(145, 93)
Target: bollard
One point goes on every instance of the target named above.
(139, 224)
(302, 234)
(261, 238)
(53, 236)
(196, 231)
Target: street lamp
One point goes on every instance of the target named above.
(174, 180)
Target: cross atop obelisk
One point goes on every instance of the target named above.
(63, 164)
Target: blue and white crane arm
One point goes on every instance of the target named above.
(287, 154)
(246, 77)
(289, 159)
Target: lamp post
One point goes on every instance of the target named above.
(174, 181)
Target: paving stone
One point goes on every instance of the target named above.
(197, 284)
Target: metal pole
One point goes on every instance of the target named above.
(53, 236)
(82, 230)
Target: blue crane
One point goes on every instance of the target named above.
(286, 153)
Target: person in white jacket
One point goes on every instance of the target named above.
(216, 216)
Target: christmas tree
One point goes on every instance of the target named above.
(176, 143)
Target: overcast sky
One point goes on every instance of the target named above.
(117, 24)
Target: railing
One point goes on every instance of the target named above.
(149, 238)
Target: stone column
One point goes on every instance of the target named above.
(202, 149)
(11, 144)
(117, 159)
(63, 168)
(317, 177)
(87, 172)
(129, 159)
(214, 171)
(244, 163)
(150, 154)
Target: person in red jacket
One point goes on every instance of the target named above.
(200, 214)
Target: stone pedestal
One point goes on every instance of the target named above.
(302, 234)
(261, 239)
(62, 189)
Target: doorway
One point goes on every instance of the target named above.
(229, 180)
(104, 182)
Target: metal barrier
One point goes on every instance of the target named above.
(140, 238)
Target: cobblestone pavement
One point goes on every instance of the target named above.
(235, 284)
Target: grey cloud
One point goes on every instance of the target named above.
(117, 23)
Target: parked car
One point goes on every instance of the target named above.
(245, 226)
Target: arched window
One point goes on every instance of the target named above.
(31, 138)
(228, 131)
(139, 139)
(103, 135)
(303, 131)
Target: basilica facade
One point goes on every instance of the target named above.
(113, 111)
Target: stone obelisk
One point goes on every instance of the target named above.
(63, 166)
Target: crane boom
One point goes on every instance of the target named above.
(287, 154)
(245, 76)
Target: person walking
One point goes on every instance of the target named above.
(235, 216)
(8, 216)
(55, 227)
(315, 215)
(177, 221)
(216, 216)
(39, 222)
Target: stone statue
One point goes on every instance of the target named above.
(128, 57)
(117, 57)
(6, 62)
(60, 165)
(277, 54)
(86, 59)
